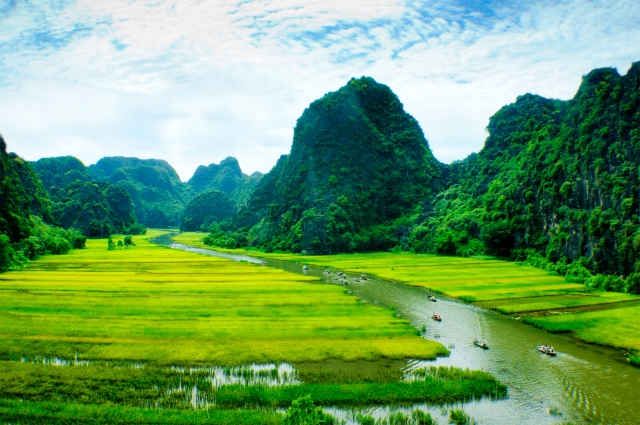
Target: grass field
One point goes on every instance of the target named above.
(96, 335)
(155, 304)
(495, 284)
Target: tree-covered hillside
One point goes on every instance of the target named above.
(25, 210)
(158, 195)
(557, 183)
(358, 162)
(207, 208)
(556, 180)
(226, 177)
(98, 209)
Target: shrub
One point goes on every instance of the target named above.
(303, 412)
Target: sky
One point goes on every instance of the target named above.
(195, 81)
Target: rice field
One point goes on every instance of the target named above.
(145, 333)
(553, 303)
(155, 304)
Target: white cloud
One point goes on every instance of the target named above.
(194, 81)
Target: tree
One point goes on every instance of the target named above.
(110, 244)
(128, 241)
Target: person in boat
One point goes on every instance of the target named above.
(551, 350)
(475, 340)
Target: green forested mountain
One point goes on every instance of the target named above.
(556, 180)
(556, 184)
(98, 209)
(158, 195)
(207, 208)
(25, 209)
(358, 163)
(226, 177)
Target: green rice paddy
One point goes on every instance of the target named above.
(553, 303)
(100, 336)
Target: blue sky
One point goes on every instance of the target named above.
(194, 81)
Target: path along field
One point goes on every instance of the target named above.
(541, 298)
(146, 327)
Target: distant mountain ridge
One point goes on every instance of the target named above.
(158, 197)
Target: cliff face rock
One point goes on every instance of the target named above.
(358, 160)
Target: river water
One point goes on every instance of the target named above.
(583, 384)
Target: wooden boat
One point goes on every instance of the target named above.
(436, 317)
(481, 344)
(431, 298)
(548, 351)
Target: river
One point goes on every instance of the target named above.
(583, 384)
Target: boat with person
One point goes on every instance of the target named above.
(431, 298)
(436, 317)
(549, 351)
(481, 344)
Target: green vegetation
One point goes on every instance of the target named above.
(98, 333)
(158, 195)
(556, 184)
(303, 412)
(97, 209)
(206, 209)
(358, 163)
(617, 327)
(25, 210)
(458, 417)
(160, 198)
(500, 285)
(21, 412)
(219, 311)
(226, 177)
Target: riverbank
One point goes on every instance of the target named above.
(105, 332)
(538, 297)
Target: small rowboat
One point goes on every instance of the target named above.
(548, 351)
(431, 298)
(436, 317)
(481, 344)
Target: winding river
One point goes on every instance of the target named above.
(583, 384)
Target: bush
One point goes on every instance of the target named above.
(303, 412)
